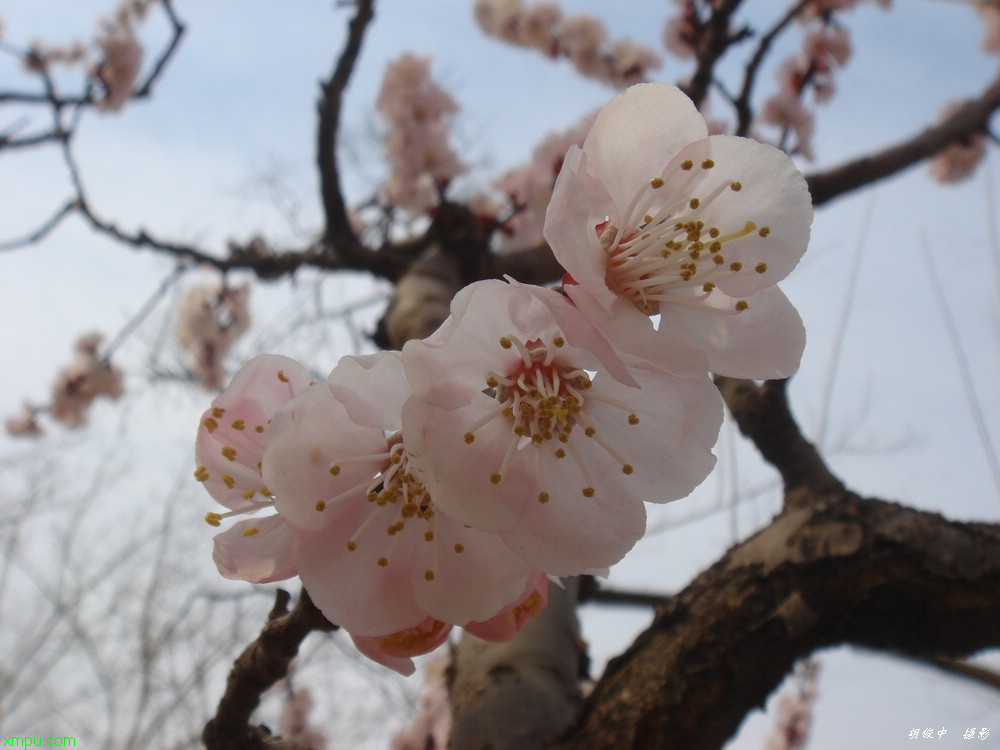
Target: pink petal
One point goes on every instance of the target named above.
(508, 622)
(231, 434)
(258, 550)
(307, 439)
(394, 650)
(764, 341)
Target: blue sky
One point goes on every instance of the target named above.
(239, 102)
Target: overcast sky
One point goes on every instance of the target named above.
(238, 103)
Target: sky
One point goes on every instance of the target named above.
(880, 388)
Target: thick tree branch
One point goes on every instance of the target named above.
(521, 694)
(831, 569)
(262, 663)
(970, 119)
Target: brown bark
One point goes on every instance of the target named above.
(833, 568)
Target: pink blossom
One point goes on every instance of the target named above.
(295, 721)
(682, 30)
(25, 425)
(786, 111)
(653, 216)
(209, 320)
(228, 452)
(499, 18)
(957, 161)
(529, 188)
(376, 550)
(519, 437)
(795, 709)
(417, 142)
(538, 27)
(828, 47)
(396, 650)
(89, 377)
(120, 68)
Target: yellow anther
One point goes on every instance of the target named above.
(382, 562)
(633, 419)
(229, 452)
(714, 232)
(320, 505)
(505, 342)
(742, 305)
(228, 481)
(656, 183)
(334, 470)
(694, 203)
(764, 231)
(736, 186)
(590, 432)
(352, 545)
(459, 548)
(687, 165)
(708, 286)
(495, 478)
(218, 412)
(266, 492)
(588, 491)
(560, 453)
(543, 497)
(201, 473)
(735, 266)
(491, 382)
(248, 494)
(428, 575)
(238, 424)
(428, 536)
(282, 377)
(210, 424)
(259, 429)
(558, 342)
(760, 267)
(627, 469)
(707, 164)
(213, 519)
(250, 531)
(469, 437)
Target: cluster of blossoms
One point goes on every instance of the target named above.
(75, 389)
(209, 320)
(528, 189)
(582, 39)
(824, 50)
(120, 55)
(446, 485)
(418, 112)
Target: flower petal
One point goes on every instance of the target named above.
(258, 550)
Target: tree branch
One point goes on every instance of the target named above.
(338, 231)
(970, 119)
(262, 663)
(831, 569)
